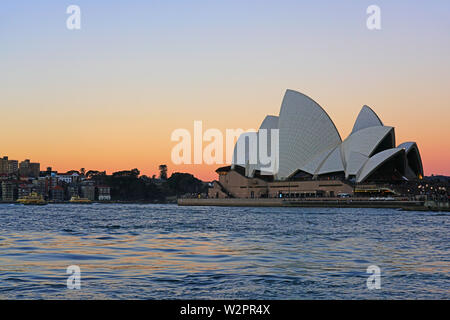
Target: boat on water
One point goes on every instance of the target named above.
(77, 199)
(32, 199)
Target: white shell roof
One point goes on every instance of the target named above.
(306, 131)
(269, 122)
(365, 141)
(309, 141)
(317, 162)
(408, 146)
(333, 163)
(377, 160)
(366, 118)
(355, 162)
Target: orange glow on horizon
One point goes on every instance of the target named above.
(117, 150)
(112, 138)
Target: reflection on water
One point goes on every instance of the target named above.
(165, 251)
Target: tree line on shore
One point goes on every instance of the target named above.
(128, 185)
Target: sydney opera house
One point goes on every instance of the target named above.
(310, 159)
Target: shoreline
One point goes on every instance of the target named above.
(330, 203)
(240, 202)
(96, 202)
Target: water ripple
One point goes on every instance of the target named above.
(165, 251)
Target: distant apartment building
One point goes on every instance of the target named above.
(45, 185)
(52, 181)
(8, 166)
(24, 190)
(73, 191)
(57, 194)
(29, 169)
(104, 193)
(4, 165)
(13, 166)
(7, 191)
(64, 178)
(38, 186)
(68, 177)
(88, 192)
(48, 172)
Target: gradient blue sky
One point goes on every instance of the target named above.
(109, 95)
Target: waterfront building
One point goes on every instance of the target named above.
(104, 193)
(64, 177)
(38, 186)
(24, 190)
(312, 158)
(72, 190)
(88, 192)
(52, 181)
(7, 191)
(57, 193)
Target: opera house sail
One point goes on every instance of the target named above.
(308, 147)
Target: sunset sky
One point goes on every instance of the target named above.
(108, 96)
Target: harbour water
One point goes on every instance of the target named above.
(169, 252)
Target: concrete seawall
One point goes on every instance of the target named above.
(341, 203)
